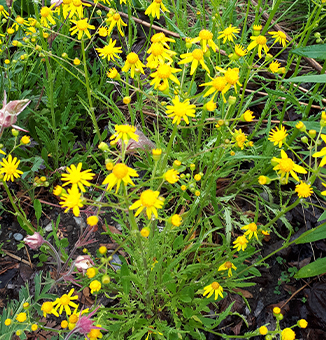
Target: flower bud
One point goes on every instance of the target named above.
(106, 279)
(304, 139)
(262, 180)
(99, 12)
(312, 133)
(64, 55)
(300, 126)
(319, 41)
(34, 241)
(232, 100)
(103, 146)
(145, 232)
(156, 154)
(126, 100)
(176, 164)
(192, 167)
(269, 57)
(14, 132)
(317, 35)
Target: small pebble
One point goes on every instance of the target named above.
(49, 227)
(118, 226)
(117, 261)
(69, 227)
(9, 235)
(79, 221)
(18, 236)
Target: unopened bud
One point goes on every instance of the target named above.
(304, 139)
(312, 133)
(232, 100)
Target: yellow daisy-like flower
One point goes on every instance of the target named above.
(76, 177)
(195, 57)
(150, 200)
(21, 317)
(81, 27)
(154, 9)
(321, 153)
(9, 169)
(95, 333)
(240, 243)
(102, 32)
(214, 287)
(228, 33)
(113, 74)
(95, 286)
(47, 308)
(71, 200)
(115, 20)
(158, 55)
(124, 132)
(227, 266)
(132, 63)
(231, 76)
(279, 37)
(171, 176)
(274, 66)
(248, 116)
(240, 138)
(240, 51)
(161, 38)
(65, 302)
(91, 272)
(176, 220)
(205, 38)
(303, 190)
(259, 41)
(47, 16)
(288, 334)
(218, 84)
(3, 12)
(75, 7)
(180, 110)
(251, 230)
(163, 73)
(120, 173)
(286, 166)
(278, 136)
(109, 51)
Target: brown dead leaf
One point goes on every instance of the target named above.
(245, 293)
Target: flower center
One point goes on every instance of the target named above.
(47, 307)
(116, 17)
(45, 11)
(82, 25)
(158, 1)
(157, 37)
(252, 227)
(73, 318)
(164, 71)
(180, 110)
(281, 35)
(132, 58)
(198, 54)
(120, 170)
(67, 2)
(148, 198)
(77, 3)
(286, 165)
(157, 49)
(261, 40)
(219, 83)
(228, 264)
(242, 240)
(108, 49)
(10, 170)
(205, 35)
(65, 300)
(1, 8)
(20, 20)
(215, 285)
(232, 76)
(241, 138)
(124, 128)
(228, 31)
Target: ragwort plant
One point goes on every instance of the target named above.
(179, 197)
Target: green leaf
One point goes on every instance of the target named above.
(319, 78)
(64, 243)
(254, 271)
(178, 242)
(313, 235)
(124, 273)
(312, 269)
(38, 209)
(322, 217)
(43, 257)
(313, 51)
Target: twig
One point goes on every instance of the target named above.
(16, 257)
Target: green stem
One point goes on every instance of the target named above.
(165, 161)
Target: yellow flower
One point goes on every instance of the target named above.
(9, 169)
(240, 138)
(120, 172)
(156, 153)
(210, 106)
(184, 188)
(180, 110)
(274, 66)
(21, 317)
(3, 12)
(176, 220)
(227, 266)
(197, 193)
(145, 232)
(10, 30)
(205, 38)
(163, 73)
(263, 330)
(25, 140)
(279, 37)
(95, 286)
(228, 33)
(286, 166)
(214, 287)
(124, 132)
(288, 334)
(113, 74)
(34, 327)
(71, 200)
(302, 323)
(151, 201)
(103, 250)
(81, 27)
(154, 9)
(259, 41)
(115, 19)
(133, 63)
(76, 177)
(240, 243)
(47, 308)
(251, 230)
(65, 302)
(75, 6)
(276, 310)
(197, 177)
(278, 136)
(303, 190)
(218, 84)
(263, 180)
(321, 153)
(76, 61)
(92, 220)
(64, 324)
(240, 51)
(109, 51)
(7, 321)
(102, 32)
(195, 57)
(248, 116)
(91, 272)
(95, 333)
(47, 16)
(324, 192)
(171, 176)
(161, 38)
(158, 55)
